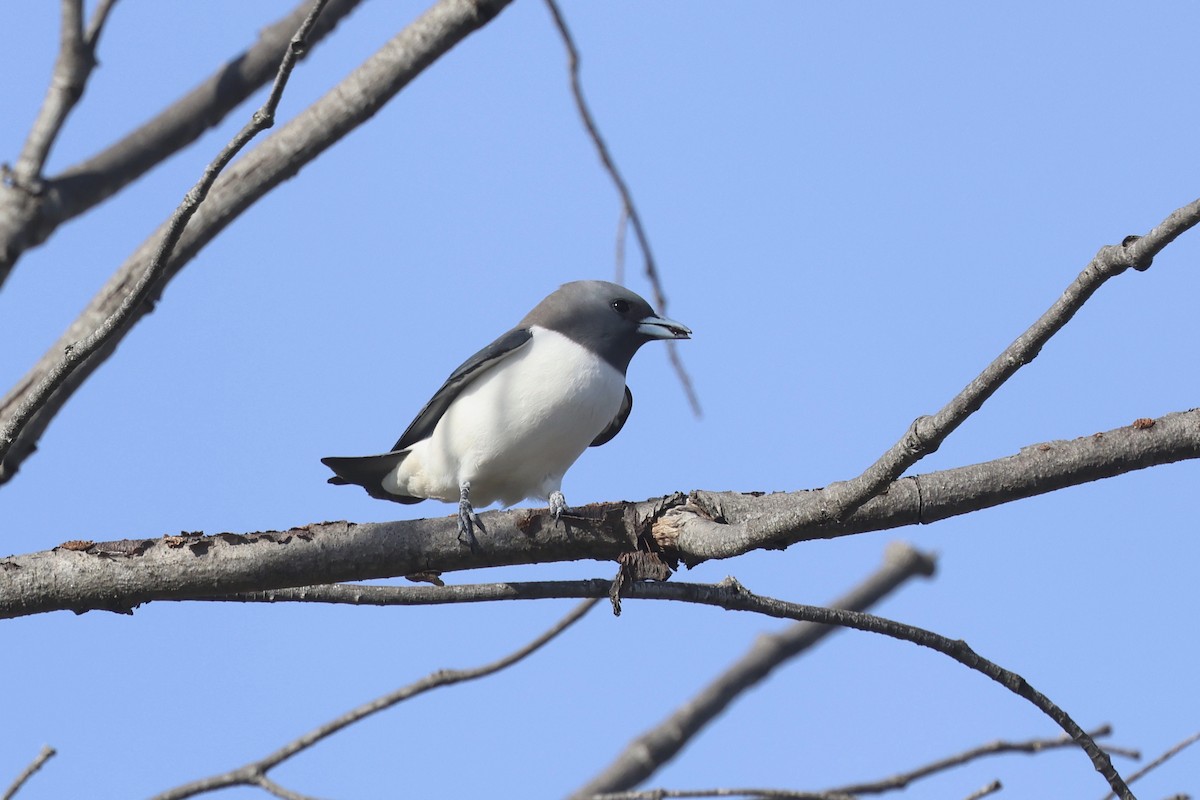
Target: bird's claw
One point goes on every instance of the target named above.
(558, 505)
(467, 518)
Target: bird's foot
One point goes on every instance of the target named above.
(558, 505)
(467, 518)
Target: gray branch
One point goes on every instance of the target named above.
(628, 209)
(45, 754)
(849, 792)
(926, 434)
(118, 576)
(732, 596)
(254, 773)
(32, 207)
(78, 353)
(276, 159)
(643, 756)
(72, 68)
(725, 525)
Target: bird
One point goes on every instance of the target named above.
(508, 423)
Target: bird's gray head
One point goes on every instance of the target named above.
(605, 317)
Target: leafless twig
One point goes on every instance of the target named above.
(355, 99)
(731, 595)
(925, 435)
(628, 209)
(80, 351)
(76, 59)
(751, 794)
(983, 792)
(254, 773)
(1031, 746)
(46, 753)
(894, 783)
(27, 219)
(1170, 753)
(96, 25)
(643, 756)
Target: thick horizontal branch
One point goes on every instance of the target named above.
(278, 158)
(33, 207)
(724, 525)
(117, 576)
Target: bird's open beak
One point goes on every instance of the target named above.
(662, 328)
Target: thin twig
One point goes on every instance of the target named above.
(627, 206)
(927, 433)
(27, 221)
(622, 228)
(731, 595)
(645, 754)
(77, 353)
(47, 752)
(270, 786)
(1031, 746)
(981, 793)
(1171, 752)
(253, 772)
(752, 794)
(348, 105)
(96, 24)
(71, 70)
(695, 533)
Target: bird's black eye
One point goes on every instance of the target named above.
(620, 306)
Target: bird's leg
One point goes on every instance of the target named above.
(467, 518)
(558, 504)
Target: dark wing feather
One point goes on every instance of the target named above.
(422, 427)
(618, 422)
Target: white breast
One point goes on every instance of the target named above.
(516, 429)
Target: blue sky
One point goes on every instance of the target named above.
(855, 208)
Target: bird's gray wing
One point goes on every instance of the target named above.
(422, 427)
(618, 421)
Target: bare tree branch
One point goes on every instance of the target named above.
(254, 773)
(726, 525)
(96, 24)
(1170, 753)
(29, 214)
(47, 752)
(894, 783)
(79, 352)
(926, 434)
(643, 756)
(735, 597)
(277, 158)
(998, 747)
(983, 792)
(118, 576)
(76, 59)
(628, 210)
(268, 785)
(731, 595)
(753, 794)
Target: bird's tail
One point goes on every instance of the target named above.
(368, 472)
